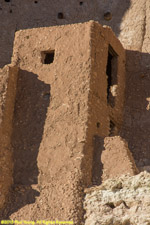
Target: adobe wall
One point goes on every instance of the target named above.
(8, 79)
(50, 122)
(101, 113)
(117, 159)
(127, 18)
(61, 114)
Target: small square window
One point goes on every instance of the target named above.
(48, 57)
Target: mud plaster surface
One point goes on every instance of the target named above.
(130, 22)
(52, 165)
(50, 100)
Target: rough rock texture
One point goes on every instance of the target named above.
(121, 201)
(8, 80)
(117, 158)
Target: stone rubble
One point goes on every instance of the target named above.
(120, 201)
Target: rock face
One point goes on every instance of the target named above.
(120, 201)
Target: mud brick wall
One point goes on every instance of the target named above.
(117, 158)
(8, 81)
(51, 115)
(59, 112)
(16, 15)
(101, 113)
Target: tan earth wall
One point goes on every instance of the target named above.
(129, 21)
(50, 123)
(8, 80)
(117, 159)
(61, 114)
(100, 112)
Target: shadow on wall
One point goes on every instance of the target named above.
(32, 101)
(136, 127)
(97, 167)
(136, 122)
(34, 14)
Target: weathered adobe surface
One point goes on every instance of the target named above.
(121, 201)
(49, 128)
(117, 158)
(129, 19)
(16, 15)
(131, 25)
(57, 109)
(8, 80)
(129, 22)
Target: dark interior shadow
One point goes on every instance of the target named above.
(136, 122)
(32, 101)
(97, 167)
(136, 125)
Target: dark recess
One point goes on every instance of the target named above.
(81, 3)
(48, 57)
(112, 128)
(111, 71)
(60, 15)
(7, 0)
(97, 166)
(107, 16)
(35, 2)
(111, 205)
(98, 125)
(109, 74)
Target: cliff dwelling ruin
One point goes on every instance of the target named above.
(74, 111)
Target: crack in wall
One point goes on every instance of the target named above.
(144, 26)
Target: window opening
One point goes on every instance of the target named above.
(48, 57)
(111, 71)
(98, 124)
(112, 128)
(60, 15)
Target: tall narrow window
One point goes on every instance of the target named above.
(111, 71)
(112, 128)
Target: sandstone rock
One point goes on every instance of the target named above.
(119, 201)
